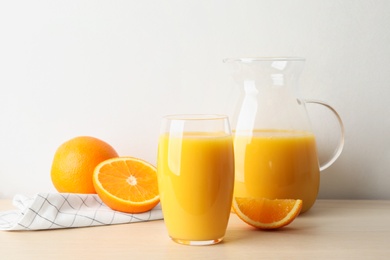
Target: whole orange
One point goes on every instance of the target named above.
(75, 161)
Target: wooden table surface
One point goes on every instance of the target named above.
(332, 229)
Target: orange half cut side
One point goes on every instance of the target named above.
(127, 184)
(265, 213)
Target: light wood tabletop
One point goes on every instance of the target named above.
(337, 229)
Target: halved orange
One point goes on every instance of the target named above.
(127, 184)
(265, 213)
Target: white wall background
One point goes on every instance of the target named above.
(111, 69)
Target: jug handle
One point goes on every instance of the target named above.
(340, 147)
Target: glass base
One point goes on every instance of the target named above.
(197, 242)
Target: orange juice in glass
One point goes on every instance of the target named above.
(277, 164)
(195, 168)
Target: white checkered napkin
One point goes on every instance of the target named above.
(66, 210)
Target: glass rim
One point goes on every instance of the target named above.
(188, 117)
(254, 59)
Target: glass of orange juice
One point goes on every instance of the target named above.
(195, 167)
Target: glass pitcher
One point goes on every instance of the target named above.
(274, 145)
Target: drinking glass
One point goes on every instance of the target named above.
(195, 169)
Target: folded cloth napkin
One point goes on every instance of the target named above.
(67, 210)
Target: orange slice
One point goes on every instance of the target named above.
(127, 184)
(265, 213)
